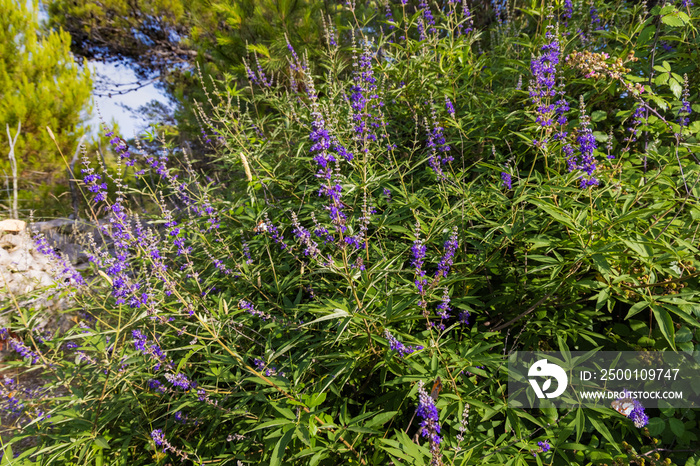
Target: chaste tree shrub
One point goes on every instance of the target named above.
(451, 183)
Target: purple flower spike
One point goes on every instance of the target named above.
(430, 425)
(418, 251)
(451, 246)
(449, 107)
(396, 345)
(507, 180)
(631, 408)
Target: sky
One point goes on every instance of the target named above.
(112, 78)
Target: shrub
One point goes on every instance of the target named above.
(434, 195)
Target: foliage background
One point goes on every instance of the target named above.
(40, 85)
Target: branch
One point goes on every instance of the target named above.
(13, 164)
(537, 304)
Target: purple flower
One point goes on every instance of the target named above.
(122, 149)
(63, 270)
(179, 380)
(158, 437)
(427, 15)
(595, 19)
(637, 414)
(389, 16)
(248, 307)
(543, 86)
(12, 404)
(451, 246)
(160, 440)
(439, 149)
(587, 144)
(387, 194)
(92, 181)
(153, 351)
(19, 347)
(637, 119)
(154, 384)
(443, 309)
(364, 98)
(466, 14)
(180, 417)
(399, 347)
(685, 109)
(568, 9)
(430, 425)
(507, 180)
(418, 251)
(268, 227)
(304, 235)
(139, 340)
(545, 446)
(269, 371)
(449, 107)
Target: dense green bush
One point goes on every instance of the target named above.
(41, 84)
(424, 201)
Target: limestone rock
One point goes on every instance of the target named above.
(20, 259)
(10, 242)
(12, 226)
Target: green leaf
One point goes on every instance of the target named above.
(661, 79)
(602, 428)
(673, 20)
(556, 213)
(656, 426)
(642, 249)
(336, 314)
(676, 88)
(381, 419)
(677, 426)
(601, 264)
(663, 318)
(598, 115)
(101, 442)
(683, 335)
(278, 452)
(316, 399)
(636, 309)
(646, 35)
(580, 424)
(8, 456)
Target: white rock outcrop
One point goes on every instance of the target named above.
(26, 274)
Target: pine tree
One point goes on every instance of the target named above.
(40, 85)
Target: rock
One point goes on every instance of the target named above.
(40, 278)
(20, 285)
(39, 261)
(20, 259)
(60, 224)
(10, 242)
(12, 226)
(75, 253)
